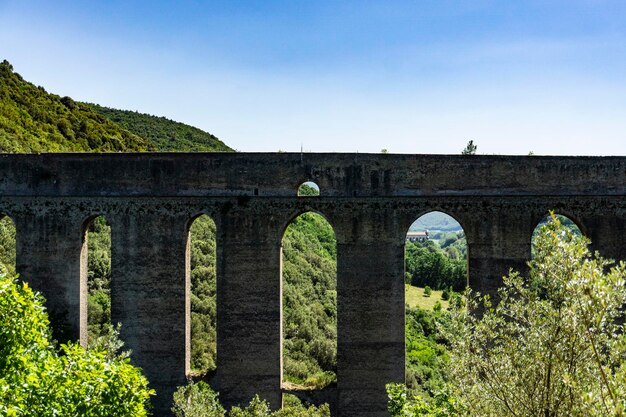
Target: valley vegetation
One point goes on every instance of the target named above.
(33, 120)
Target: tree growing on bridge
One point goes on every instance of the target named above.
(470, 148)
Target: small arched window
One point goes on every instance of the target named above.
(308, 189)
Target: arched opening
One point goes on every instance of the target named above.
(435, 275)
(97, 248)
(7, 245)
(568, 223)
(202, 277)
(309, 303)
(308, 189)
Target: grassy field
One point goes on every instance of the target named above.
(414, 297)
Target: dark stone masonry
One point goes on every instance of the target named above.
(369, 199)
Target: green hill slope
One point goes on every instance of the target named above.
(33, 120)
(166, 135)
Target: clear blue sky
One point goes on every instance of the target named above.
(408, 76)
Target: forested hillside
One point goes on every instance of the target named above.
(164, 134)
(33, 120)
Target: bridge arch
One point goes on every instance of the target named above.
(568, 221)
(309, 189)
(95, 279)
(201, 295)
(565, 216)
(309, 347)
(435, 272)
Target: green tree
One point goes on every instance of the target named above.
(36, 379)
(98, 279)
(197, 400)
(166, 135)
(428, 265)
(554, 345)
(32, 120)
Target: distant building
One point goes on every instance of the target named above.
(417, 236)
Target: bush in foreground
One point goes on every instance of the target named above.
(199, 400)
(553, 346)
(442, 404)
(36, 379)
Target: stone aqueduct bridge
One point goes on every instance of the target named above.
(370, 200)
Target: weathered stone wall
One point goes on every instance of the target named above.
(370, 200)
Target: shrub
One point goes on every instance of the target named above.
(445, 295)
(401, 404)
(427, 291)
(554, 344)
(199, 400)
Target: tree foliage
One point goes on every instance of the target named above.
(306, 190)
(203, 291)
(427, 355)
(98, 279)
(36, 379)
(427, 264)
(554, 345)
(403, 403)
(33, 120)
